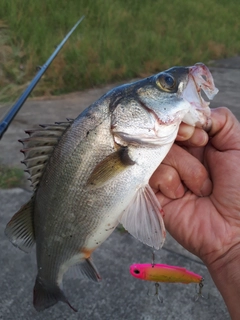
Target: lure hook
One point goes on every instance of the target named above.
(199, 292)
(153, 257)
(157, 286)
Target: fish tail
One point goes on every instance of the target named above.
(45, 296)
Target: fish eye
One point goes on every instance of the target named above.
(166, 82)
(136, 271)
(169, 81)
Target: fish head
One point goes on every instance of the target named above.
(176, 94)
(152, 109)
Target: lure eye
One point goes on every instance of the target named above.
(136, 271)
(166, 82)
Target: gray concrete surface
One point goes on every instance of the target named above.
(118, 296)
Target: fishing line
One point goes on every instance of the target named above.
(183, 256)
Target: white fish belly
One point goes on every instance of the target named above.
(123, 189)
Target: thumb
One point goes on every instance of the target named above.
(225, 131)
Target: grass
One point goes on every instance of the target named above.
(10, 177)
(118, 40)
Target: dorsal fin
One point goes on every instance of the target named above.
(38, 147)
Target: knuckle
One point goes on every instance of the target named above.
(199, 173)
(170, 176)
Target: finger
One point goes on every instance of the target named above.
(185, 132)
(164, 200)
(225, 131)
(191, 137)
(191, 171)
(167, 180)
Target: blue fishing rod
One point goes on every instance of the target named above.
(8, 118)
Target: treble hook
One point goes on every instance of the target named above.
(157, 286)
(199, 293)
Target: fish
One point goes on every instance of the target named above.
(164, 273)
(91, 173)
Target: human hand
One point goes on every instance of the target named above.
(205, 218)
(198, 222)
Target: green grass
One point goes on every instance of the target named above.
(118, 40)
(10, 177)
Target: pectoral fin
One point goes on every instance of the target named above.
(110, 167)
(142, 218)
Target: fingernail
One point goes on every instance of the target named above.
(199, 139)
(185, 132)
(206, 188)
(208, 125)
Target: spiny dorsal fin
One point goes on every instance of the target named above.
(57, 126)
(39, 141)
(38, 147)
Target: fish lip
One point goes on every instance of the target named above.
(199, 79)
(203, 81)
(207, 82)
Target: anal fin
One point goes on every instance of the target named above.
(142, 218)
(20, 229)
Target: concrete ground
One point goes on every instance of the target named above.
(119, 295)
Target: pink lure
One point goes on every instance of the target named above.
(164, 273)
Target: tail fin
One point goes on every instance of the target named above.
(45, 296)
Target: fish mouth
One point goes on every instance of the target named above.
(199, 80)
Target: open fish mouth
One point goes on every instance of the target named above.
(199, 79)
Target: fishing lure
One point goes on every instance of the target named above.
(166, 273)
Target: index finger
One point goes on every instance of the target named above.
(192, 136)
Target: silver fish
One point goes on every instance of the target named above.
(91, 173)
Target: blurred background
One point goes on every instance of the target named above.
(117, 41)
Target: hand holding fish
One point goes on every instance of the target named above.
(170, 183)
(208, 226)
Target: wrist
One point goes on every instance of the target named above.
(226, 275)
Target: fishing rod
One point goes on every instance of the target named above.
(8, 118)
